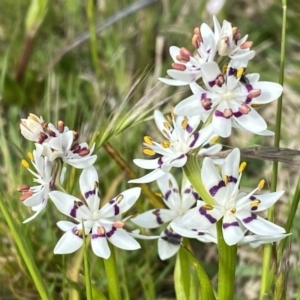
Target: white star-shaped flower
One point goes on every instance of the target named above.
(103, 223)
(181, 137)
(240, 211)
(229, 99)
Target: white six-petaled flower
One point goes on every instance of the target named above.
(178, 206)
(229, 98)
(103, 223)
(240, 211)
(37, 196)
(181, 137)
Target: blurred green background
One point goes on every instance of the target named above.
(47, 69)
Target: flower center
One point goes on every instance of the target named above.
(96, 215)
(227, 96)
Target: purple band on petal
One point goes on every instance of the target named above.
(232, 71)
(231, 179)
(111, 232)
(237, 114)
(250, 219)
(201, 233)
(196, 137)
(171, 237)
(96, 235)
(249, 87)
(209, 217)
(252, 197)
(226, 225)
(189, 128)
(160, 162)
(77, 232)
(89, 193)
(203, 96)
(192, 192)
(212, 83)
(218, 113)
(248, 100)
(116, 207)
(159, 220)
(169, 192)
(73, 211)
(216, 188)
(179, 157)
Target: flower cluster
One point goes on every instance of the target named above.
(223, 96)
(55, 146)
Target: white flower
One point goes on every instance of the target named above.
(32, 128)
(187, 67)
(229, 98)
(103, 223)
(37, 196)
(180, 139)
(238, 210)
(63, 146)
(169, 241)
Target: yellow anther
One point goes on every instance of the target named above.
(29, 154)
(167, 125)
(169, 118)
(165, 144)
(255, 203)
(207, 207)
(184, 123)
(225, 179)
(25, 163)
(148, 140)
(255, 105)
(261, 184)
(242, 166)
(224, 68)
(240, 72)
(119, 198)
(158, 194)
(148, 151)
(214, 139)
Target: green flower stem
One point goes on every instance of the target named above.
(206, 289)
(87, 276)
(26, 254)
(112, 276)
(90, 10)
(227, 262)
(265, 282)
(291, 216)
(192, 172)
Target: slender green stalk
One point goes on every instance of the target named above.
(87, 276)
(112, 275)
(192, 172)
(206, 289)
(93, 35)
(265, 285)
(26, 254)
(291, 216)
(227, 262)
(183, 277)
